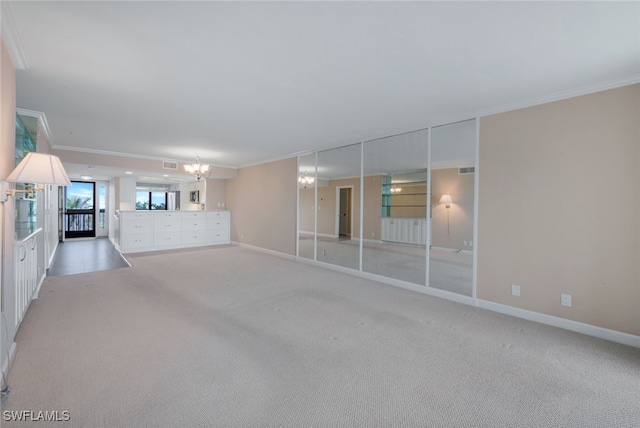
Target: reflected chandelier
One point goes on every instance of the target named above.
(306, 180)
(198, 169)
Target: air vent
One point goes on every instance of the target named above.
(170, 165)
(467, 170)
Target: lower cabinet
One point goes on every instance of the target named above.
(161, 230)
(404, 230)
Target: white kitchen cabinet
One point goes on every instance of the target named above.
(162, 230)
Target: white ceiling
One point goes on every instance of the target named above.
(240, 83)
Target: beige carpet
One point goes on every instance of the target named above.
(228, 337)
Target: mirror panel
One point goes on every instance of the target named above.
(306, 205)
(338, 202)
(395, 207)
(453, 156)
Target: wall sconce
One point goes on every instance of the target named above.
(446, 199)
(36, 168)
(198, 169)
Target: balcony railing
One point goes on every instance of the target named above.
(79, 221)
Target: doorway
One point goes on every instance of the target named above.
(79, 207)
(344, 208)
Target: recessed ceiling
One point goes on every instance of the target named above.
(239, 83)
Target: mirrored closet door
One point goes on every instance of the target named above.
(395, 207)
(452, 183)
(338, 206)
(306, 205)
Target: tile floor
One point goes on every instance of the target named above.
(85, 255)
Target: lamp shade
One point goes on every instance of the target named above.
(446, 199)
(40, 168)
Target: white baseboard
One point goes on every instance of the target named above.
(36, 293)
(320, 235)
(264, 250)
(53, 254)
(575, 326)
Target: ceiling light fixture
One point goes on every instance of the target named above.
(86, 177)
(395, 189)
(198, 169)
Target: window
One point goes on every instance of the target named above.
(146, 200)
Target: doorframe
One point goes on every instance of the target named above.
(337, 231)
(105, 232)
(93, 235)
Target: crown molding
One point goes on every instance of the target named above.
(133, 155)
(562, 95)
(11, 38)
(41, 118)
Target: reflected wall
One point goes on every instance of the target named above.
(395, 201)
(306, 205)
(453, 154)
(338, 206)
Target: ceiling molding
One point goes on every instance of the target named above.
(563, 95)
(11, 38)
(41, 118)
(136, 156)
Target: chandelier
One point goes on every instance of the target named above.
(395, 189)
(198, 169)
(306, 180)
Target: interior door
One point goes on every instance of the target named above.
(80, 215)
(345, 212)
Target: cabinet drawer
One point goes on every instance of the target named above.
(193, 223)
(193, 237)
(136, 225)
(192, 214)
(136, 240)
(166, 239)
(137, 215)
(220, 236)
(162, 224)
(157, 215)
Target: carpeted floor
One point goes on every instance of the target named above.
(229, 337)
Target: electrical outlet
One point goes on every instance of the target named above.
(565, 299)
(515, 290)
(465, 243)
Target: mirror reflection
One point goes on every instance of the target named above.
(338, 206)
(453, 157)
(395, 207)
(306, 205)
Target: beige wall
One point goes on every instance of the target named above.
(262, 201)
(372, 206)
(185, 195)
(7, 163)
(306, 204)
(215, 195)
(461, 189)
(559, 208)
